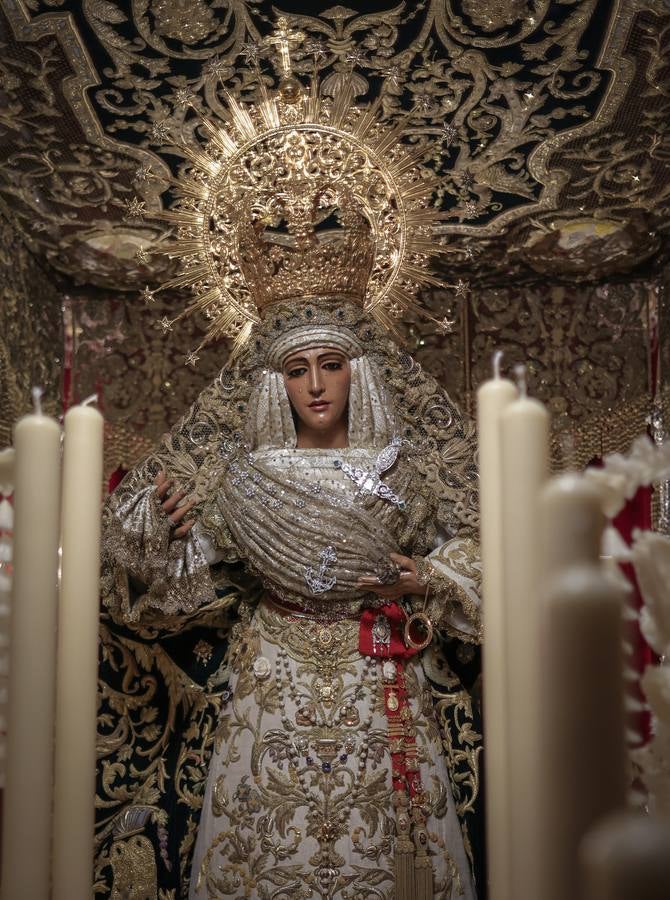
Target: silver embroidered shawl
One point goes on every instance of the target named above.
(246, 410)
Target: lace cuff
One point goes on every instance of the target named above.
(142, 568)
(452, 574)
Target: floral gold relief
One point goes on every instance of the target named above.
(526, 109)
(134, 869)
(31, 333)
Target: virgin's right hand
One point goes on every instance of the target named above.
(174, 512)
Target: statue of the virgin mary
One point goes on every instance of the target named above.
(311, 522)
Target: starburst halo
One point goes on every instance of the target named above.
(315, 141)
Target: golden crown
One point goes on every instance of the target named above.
(299, 196)
(307, 238)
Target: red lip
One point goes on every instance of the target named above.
(319, 404)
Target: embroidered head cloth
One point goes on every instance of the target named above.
(307, 336)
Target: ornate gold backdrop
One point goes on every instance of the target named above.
(547, 124)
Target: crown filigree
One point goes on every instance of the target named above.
(300, 196)
(309, 239)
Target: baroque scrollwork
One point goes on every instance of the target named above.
(30, 329)
(525, 105)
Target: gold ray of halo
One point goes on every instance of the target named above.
(312, 102)
(390, 139)
(189, 188)
(178, 249)
(239, 342)
(190, 276)
(367, 120)
(425, 248)
(342, 105)
(407, 163)
(241, 118)
(220, 138)
(402, 298)
(385, 319)
(200, 160)
(178, 216)
(420, 191)
(231, 306)
(268, 109)
(420, 276)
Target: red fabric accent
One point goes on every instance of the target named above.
(397, 618)
(636, 514)
(116, 478)
(404, 760)
(402, 740)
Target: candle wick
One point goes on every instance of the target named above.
(89, 400)
(37, 393)
(497, 360)
(521, 379)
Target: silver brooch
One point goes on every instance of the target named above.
(319, 582)
(381, 633)
(371, 482)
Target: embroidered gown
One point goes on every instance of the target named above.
(299, 794)
(248, 747)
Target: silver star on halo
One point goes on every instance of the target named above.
(148, 295)
(191, 359)
(184, 97)
(461, 288)
(216, 67)
(393, 74)
(135, 210)
(446, 325)
(160, 132)
(165, 324)
(423, 102)
(144, 172)
(449, 134)
(356, 57)
(316, 49)
(467, 179)
(251, 53)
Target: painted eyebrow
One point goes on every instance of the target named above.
(303, 359)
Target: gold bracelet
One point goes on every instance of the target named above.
(418, 630)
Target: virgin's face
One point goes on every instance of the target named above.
(317, 383)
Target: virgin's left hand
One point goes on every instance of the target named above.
(406, 583)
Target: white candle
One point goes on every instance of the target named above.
(627, 856)
(524, 431)
(6, 541)
(26, 838)
(583, 752)
(493, 397)
(76, 708)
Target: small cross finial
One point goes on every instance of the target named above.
(285, 39)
